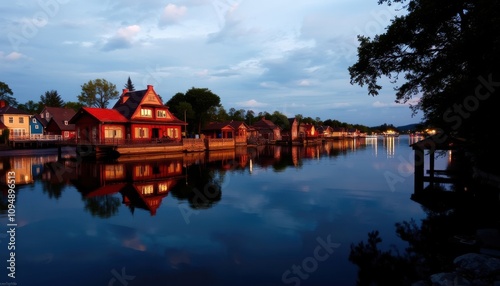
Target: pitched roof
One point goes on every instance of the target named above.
(131, 104)
(60, 115)
(43, 121)
(219, 125)
(11, 110)
(264, 123)
(101, 114)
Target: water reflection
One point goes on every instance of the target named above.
(254, 213)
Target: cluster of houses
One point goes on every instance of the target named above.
(141, 116)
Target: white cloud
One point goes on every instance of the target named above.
(123, 38)
(13, 56)
(172, 14)
(251, 103)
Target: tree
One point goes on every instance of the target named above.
(129, 85)
(173, 103)
(250, 117)
(446, 53)
(97, 93)
(51, 99)
(201, 99)
(73, 105)
(30, 106)
(6, 94)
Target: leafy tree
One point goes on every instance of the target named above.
(250, 117)
(173, 103)
(129, 85)
(446, 53)
(201, 99)
(6, 94)
(97, 93)
(51, 99)
(280, 119)
(31, 107)
(73, 105)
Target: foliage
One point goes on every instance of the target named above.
(201, 99)
(73, 105)
(129, 85)
(5, 136)
(6, 94)
(97, 93)
(51, 99)
(446, 53)
(31, 107)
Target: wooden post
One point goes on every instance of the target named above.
(419, 170)
(431, 167)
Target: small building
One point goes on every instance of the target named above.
(292, 133)
(15, 120)
(99, 125)
(227, 129)
(324, 131)
(148, 118)
(267, 129)
(58, 122)
(339, 132)
(307, 130)
(37, 126)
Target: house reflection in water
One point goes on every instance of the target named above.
(141, 184)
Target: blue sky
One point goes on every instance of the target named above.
(289, 56)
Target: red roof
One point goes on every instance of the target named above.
(105, 115)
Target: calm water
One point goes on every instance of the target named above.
(257, 216)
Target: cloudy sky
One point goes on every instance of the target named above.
(289, 56)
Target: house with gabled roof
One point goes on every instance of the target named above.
(226, 129)
(58, 122)
(267, 129)
(99, 125)
(15, 120)
(37, 126)
(148, 117)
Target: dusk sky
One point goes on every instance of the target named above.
(289, 56)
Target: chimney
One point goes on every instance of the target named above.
(124, 96)
(3, 103)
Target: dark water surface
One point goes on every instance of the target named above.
(253, 216)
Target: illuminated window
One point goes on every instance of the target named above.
(65, 122)
(161, 113)
(147, 190)
(11, 119)
(146, 112)
(162, 188)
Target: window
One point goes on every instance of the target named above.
(161, 113)
(146, 112)
(66, 134)
(36, 126)
(65, 122)
(47, 115)
(11, 119)
(21, 119)
(33, 120)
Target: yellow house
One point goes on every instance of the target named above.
(17, 121)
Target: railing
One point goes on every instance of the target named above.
(34, 137)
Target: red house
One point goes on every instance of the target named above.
(99, 125)
(58, 122)
(147, 117)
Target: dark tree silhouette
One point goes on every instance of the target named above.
(129, 85)
(51, 99)
(6, 94)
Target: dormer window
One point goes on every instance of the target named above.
(146, 112)
(65, 122)
(34, 120)
(161, 113)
